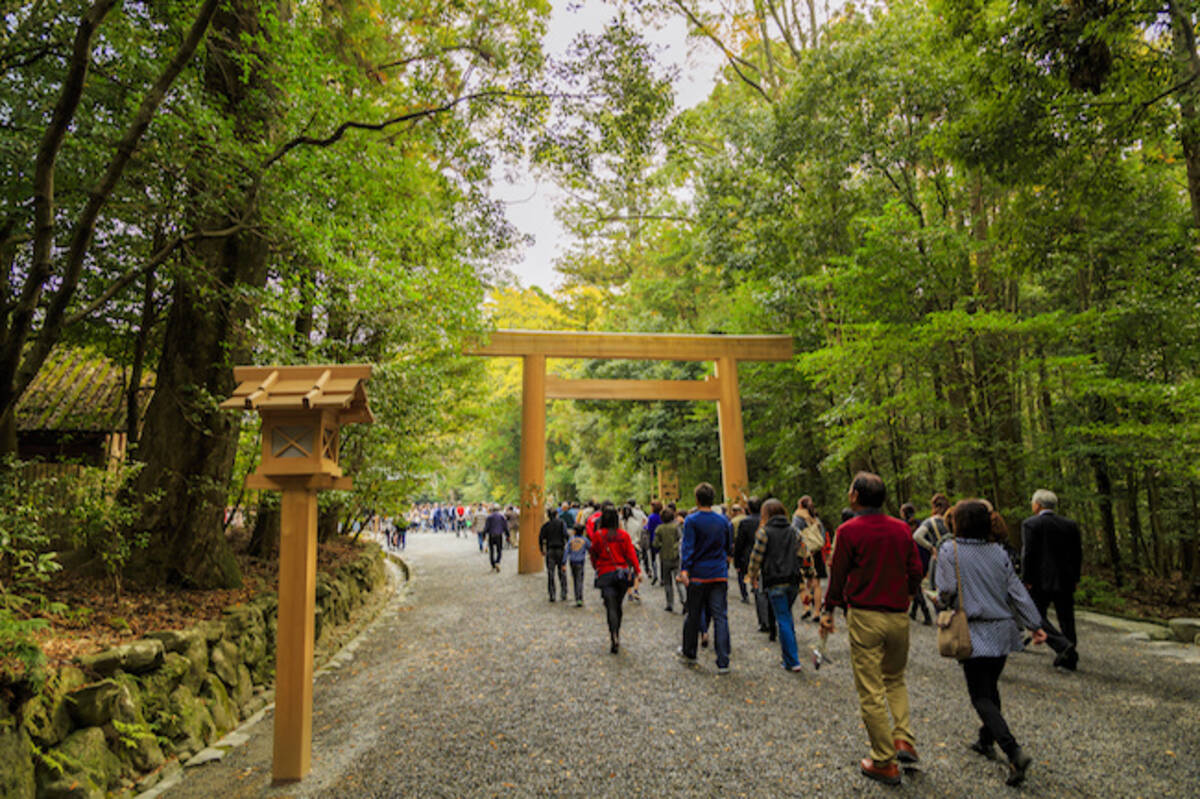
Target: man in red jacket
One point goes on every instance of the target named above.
(875, 572)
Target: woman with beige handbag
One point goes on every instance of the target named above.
(977, 582)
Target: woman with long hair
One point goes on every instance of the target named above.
(995, 602)
(617, 570)
(806, 515)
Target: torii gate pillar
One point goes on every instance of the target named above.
(735, 478)
(533, 461)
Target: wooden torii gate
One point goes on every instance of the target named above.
(533, 347)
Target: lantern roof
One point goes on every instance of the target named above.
(295, 388)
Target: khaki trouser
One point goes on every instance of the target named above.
(878, 656)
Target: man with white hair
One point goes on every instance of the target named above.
(1051, 556)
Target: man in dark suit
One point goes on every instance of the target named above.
(1051, 556)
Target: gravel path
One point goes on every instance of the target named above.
(475, 686)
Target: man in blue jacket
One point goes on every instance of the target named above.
(705, 553)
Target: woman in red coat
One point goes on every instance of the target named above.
(616, 564)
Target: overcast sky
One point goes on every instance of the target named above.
(530, 202)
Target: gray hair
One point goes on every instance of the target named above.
(1046, 498)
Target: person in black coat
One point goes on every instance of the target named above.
(1051, 558)
(743, 542)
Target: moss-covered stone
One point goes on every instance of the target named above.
(133, 738)
(244, 628)
(82, 765)
(224, 659)
(216, 698)
(135, 657)
(46, 717)
(191, 644)
(16, 758)
(188, 723)
(244, 690)
(212, 631)
(177, 641)
(158, 684)
(99, 703)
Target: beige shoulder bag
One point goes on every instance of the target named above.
(954, 635)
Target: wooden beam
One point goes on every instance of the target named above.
(533, 462)
(687, 390)
(639, 346)
(356, 371)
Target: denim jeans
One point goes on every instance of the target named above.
(577, 579)
(782, 597)
(710, 597)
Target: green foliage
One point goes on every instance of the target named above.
(26, 560)
(56, 761)
(102, 521)
(21, 658)
(1098, 593)
(130, 734)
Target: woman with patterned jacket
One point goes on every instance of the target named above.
(995, 602)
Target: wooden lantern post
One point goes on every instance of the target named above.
(302, 410)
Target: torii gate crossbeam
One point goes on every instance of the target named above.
(535, 346)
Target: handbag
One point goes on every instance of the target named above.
(954, 634)
(813, 537)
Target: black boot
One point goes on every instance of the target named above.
(1018, 764)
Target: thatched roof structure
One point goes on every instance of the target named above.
(79, 390)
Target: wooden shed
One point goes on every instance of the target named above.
(75, 410)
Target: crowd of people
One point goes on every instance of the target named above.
(880, 570)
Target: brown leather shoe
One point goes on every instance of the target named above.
(905, 752)
(888, 775)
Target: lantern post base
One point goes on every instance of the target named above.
(294, 643)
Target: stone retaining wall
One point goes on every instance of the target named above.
(111, 722)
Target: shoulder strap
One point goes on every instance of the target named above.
(957, 575)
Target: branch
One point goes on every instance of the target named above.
(344, 128)
(85, 224)
(651, 217)
(783, 29)
(155, 261)
(403, 62)
(734, 60)
(43, 183)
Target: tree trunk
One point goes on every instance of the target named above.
(327, 521)
(1108, 524)
(1187, 67)
(137, 368)
(1140, 555)
(1191, 563)
(188, 443)
(1156, 532)
(264, 539)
